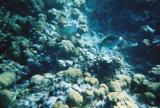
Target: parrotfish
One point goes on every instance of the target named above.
(110, 41)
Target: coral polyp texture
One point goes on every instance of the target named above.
(79, 54)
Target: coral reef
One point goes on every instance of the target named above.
(79, 54)
(120, 100)
(66, 88)
(6, 79)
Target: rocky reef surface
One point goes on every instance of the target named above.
(79, 54)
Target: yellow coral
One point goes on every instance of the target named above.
(91, 80)
(74, 98)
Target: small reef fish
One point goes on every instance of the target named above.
(110, 41)
(156, 40)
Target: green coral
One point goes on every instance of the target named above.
(6, 79)
(91, 80)
(88, 95)
(121, 82)
(125, 79)
(115, 86)
(72, 73)
(120, 100)
(101, 92)
(60, 104)
(153, 87)
(74, 99)
(138, 79)
(37, 79)
(149, 97)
